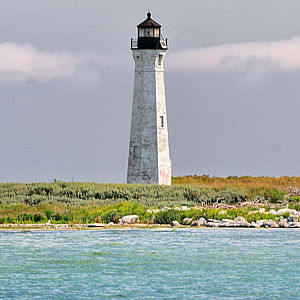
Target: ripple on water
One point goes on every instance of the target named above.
(135, 264)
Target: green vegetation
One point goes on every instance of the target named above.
(21, 214)
(165, 217)
(83, 202)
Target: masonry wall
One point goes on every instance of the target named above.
(148, 160)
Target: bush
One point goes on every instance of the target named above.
(38, 218)
(274, 195)
(112, 213)
(167, 216)
(294, 199)
(48, 214)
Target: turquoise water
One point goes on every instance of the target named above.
(149, 264)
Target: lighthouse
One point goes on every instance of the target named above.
(149, 158)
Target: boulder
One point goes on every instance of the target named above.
(213, 220)
(283, 211)
(254, 225)
(261, 210)
(295, 225)
(184, 208)
(153, 211)
(243, 224)
(175, 224)
(260, 222)
(239, 219)
(202, 222)
(291, 219)
(195, 223)
(272, 211)
(187, 221)
(222, 212)
(293, 212)
(282, 223)
(227, 223)
(165, 208)
(270, 223)
(130, 219)
(212, 224)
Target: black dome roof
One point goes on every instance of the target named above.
(149, 22)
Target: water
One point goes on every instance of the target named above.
(149, 264)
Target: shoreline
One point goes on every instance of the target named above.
(98, 227)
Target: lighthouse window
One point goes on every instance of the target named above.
(135, 149)
(149, 32)
(156, 32)
(162, 121)
(160, 57)
(141, 32)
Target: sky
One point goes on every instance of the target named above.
(232, 76)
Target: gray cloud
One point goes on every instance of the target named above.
(255, 58)
(21, 63)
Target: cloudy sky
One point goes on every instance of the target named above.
(232, 76)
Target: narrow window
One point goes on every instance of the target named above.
(135, 149)
(137, 58)
(162, 121)
(160, 57)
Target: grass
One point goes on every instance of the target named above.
(57, 214)
(82, 202)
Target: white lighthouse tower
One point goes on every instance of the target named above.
(149, 159)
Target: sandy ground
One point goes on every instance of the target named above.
(53, 227)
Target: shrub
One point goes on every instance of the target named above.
(274, 195)
(167, 216)
(294, 199)
(37, 218)
(48, 214)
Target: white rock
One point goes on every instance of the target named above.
(131, 219)
(255, 225)
(227, 221)
(222, 212)
(187, 221)
(260, 222)
(283, 211)
(195, 223)
(184, 208)
(261, 210)
(165, 208)
(282, 223)
(295, 225)
(272, 211)
(243, 224)
(153, 211)
(202, 222)
(175, 224)
(293, 212)
(270, 223)
(239, 219)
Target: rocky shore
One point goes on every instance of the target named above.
(282, 218)
(239, 222)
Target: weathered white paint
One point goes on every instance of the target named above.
(150, 161)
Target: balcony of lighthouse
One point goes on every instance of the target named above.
(149, 43)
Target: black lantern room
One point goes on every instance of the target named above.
(149, 35)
